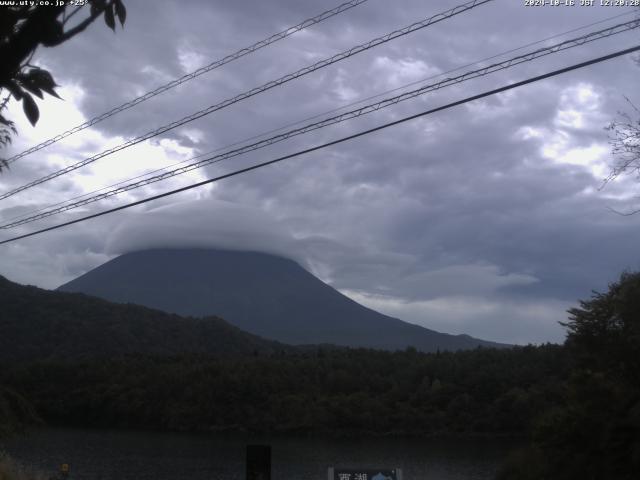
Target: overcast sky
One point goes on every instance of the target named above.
(486, 219)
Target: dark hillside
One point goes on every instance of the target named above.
(263, 294)
(41, 324)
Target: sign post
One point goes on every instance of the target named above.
(258, 462)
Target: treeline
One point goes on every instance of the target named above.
(335, 391)
(42, 324)
(579, 403)
(593, 431)
(16, 413)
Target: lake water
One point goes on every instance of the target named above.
(118, 455)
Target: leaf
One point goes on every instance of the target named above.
(52, 92)
(51, 32)
(96, 7)
(30, 109)
(4, 121)
(121, 11)
(8, 123)
(15, 89)
(109, 18)
(44, 77)
(29, 85)
(43, 80)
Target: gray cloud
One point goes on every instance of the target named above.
(202, 224)
(485, 219)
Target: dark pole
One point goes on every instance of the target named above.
(258, 462)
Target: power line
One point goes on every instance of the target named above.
(196, 73)
(335, 142)
(339, 118)
(29, 214)
(255, 91)
(590, 37)
(313, 117)
(87, 194)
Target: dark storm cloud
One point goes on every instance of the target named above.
(484, 219)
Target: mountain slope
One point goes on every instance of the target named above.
(38, 324)
(263, 294)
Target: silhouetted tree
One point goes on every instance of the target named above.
(604, 332)
(593, 432)
(624, 138)
(23, 28)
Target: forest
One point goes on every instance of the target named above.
(327, 391)
(578, 403)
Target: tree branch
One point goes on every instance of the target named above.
(82, 25)
(68, 17)
(623, 214)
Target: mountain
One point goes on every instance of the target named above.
(263, 294)
(38, 324)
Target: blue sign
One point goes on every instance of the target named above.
(364, 474)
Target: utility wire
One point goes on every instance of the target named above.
(313, 117)
(190, 76)
(335, 142)
(146, 174)
(590, 37)
(255, 91)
